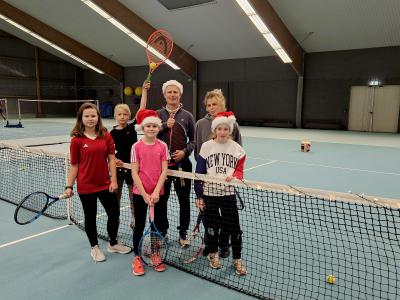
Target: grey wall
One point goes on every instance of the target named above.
(329, 76)
(260, 91)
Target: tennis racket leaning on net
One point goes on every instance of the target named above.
(194, 248)
(239, 201)
(158, 50)
(177, 141)
(33, 206)
(152, 246)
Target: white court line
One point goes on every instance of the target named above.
(327, 166)
(50, 231)
(268, 163)
(33, 236)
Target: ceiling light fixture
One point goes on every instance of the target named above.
(126, 30)
(267, 34)
(42, 39)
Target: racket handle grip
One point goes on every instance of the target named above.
(63, 196)
(152, 213)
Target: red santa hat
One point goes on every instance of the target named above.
(146, 116)
(225, 117)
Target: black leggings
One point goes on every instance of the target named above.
(183, 193)
(110, 204)
(140, 210)
(221, 227)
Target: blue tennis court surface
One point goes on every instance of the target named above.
(58, 265)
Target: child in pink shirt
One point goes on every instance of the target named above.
(149, 161)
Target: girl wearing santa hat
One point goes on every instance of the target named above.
(149, 162)
(214, 102)
(224, 158)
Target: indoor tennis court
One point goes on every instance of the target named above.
(316, 95)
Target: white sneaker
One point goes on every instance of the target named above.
(97, 254)
(118, 248)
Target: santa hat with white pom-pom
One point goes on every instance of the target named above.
(146, 116)
(225, 117)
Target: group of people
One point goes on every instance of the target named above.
(99, 157)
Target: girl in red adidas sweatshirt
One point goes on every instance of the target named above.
(92, 162)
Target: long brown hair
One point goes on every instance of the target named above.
(79, 128)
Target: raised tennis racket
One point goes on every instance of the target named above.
(189, 253)
(177, 141)
(152, 246)
(33, 206)
(158, 50)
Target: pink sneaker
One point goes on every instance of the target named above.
(137, 266)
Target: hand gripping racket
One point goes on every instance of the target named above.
(177, 141)
(194, 248)
(33, 206)
(152, 246)
(158, 50)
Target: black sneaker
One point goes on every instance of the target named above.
(224, 253)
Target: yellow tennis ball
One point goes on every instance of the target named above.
(128, 91)
(153, 65)
(331, 279)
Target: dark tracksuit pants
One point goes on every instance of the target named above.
(221, 227)
(183, 193)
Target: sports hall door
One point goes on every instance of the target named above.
(374, 109)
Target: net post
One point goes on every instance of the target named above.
(5, 109)
(69, 199)
(19, 125)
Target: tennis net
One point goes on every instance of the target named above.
(293, 238)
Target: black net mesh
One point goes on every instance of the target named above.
(292, 241)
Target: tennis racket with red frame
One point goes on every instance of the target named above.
(158, 50)
(195, 244)
(178, 140)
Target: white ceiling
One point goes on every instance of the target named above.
(221, 30)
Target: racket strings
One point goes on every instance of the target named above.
(153, 249)
(193, 249)
(159, 46)
(32, 206)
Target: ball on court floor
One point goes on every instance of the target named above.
(331, 279)
(153, 65)
(128, 91)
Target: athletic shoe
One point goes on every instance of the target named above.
(118, 248)
(97, 254)
(157, 263)
(239, 267)
(213, 258)
(183, 242)
(137, 266)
